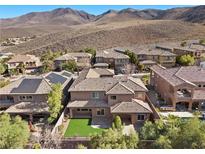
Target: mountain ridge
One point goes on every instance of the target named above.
(68, 16)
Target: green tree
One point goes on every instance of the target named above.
(141, 67)
(2, 68)
(162, 142)
(149, 131)
(54, 102)
(3, 83)
(117, 124)
(132, 140)
(14, 132)
(47, 59)
(185, 60)
(13, 71)
(145, 79)
(191, 135)
(133, 58)
(70, 66)
(114, 139)
(202, 41)
(21, 68)
(92, 52)
(81, 146)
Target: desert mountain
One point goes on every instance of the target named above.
(189, 14)
(68, 16)
(67, 29)
(61, 16)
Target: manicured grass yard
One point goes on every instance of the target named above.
(81, 127)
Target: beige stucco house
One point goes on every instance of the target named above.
(30, 62)
(28, 95)
(183, 88)
(109, 96)
(116, 60)
(82, 59)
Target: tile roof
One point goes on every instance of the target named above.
(197, 47)
(87, 103)
(106, 84)
(119, 88)
(147, 62)
(155, 52)
(35, 84)
(98, 72)
(101, 65)
(170, 75)
(111, 53)
(192, 73)
(27, 85)
(23, 58)
(136, 106)
(74, 55)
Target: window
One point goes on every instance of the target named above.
(113, 97)
(140, 117)
(95, 95)
(100, 112)
(84, 109)
(25, 98)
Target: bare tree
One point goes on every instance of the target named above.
(47, 140)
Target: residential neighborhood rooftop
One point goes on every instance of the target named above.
(98, 72)
(181, 75)
(22, 58)
(32, 84)
(136, 106)
(154, 52)
(106, 84)
(111, 53)
(73, 55)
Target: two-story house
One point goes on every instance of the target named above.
(82, 59)
(153, 56)
(28, 95)
(183, 87)
(109, 96)
(116, 60)
(31, 63)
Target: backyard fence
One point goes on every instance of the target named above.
(59, 123)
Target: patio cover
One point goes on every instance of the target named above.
(87, 103)
(28, 108)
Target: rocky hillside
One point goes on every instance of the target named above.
(61, 16)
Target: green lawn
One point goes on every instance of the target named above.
(81, 127)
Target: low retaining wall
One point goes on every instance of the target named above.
(73, 142)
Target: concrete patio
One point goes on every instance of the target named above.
(101, 122)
